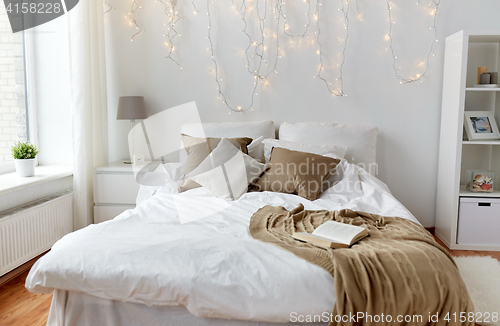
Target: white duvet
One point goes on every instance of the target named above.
(212, 265)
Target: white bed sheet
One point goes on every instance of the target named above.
(212, 266)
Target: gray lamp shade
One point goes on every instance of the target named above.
(131, 108)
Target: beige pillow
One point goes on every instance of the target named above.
(198, 149)
(297, 173)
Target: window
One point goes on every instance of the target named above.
(13, 103)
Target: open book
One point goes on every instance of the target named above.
(333, 234)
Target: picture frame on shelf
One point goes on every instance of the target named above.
(481, 125)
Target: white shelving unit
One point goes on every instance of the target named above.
(481, 142)
(465, 193)
(477, 89)
(465, 51)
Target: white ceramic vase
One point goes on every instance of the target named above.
(25, 168)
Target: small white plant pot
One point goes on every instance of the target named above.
(25, 168)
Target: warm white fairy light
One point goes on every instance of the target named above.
(108, 6)
(216, 70)
(172, 14)
(131, 17)
(286, 26)
(259, 62)
(345, 11)
(264, 51)
(418, 77)
(195, 10)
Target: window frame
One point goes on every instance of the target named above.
(30, 95)
(7, 167)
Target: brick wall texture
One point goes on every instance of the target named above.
(12, 91)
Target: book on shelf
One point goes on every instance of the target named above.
(333, 234)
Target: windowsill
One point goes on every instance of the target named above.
(10, 182)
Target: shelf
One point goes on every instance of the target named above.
(481, 142)
(479, 89)
(465, 193)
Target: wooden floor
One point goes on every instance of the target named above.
(465, 253)
(18, 307)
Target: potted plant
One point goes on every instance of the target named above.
(24, 157)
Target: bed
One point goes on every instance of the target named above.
(145, 267)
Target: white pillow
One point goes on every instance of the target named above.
(166, 177)
(361, 141)
(227, 171)
(229, 130)
(256, 149)
(334, 151)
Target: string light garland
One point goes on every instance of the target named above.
(173, 17)
(219, 80)
(340, 91)
(264, 50)
(194, 7)
(258, 52)
(131, 17)
(286, 26)
(418, 77)
(110, 7)
(256, 48)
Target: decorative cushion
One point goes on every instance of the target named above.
(227, 172)
(253, 129)
(297, 173)
(256, 149)
(198, 149)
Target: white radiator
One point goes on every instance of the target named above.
(29, 230)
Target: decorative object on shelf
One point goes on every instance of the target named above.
(481, 125)
(24, 155)
(493, 77)
(484, 78)
(479, 180)
(131, 108)
(138, 159)
(480, 71)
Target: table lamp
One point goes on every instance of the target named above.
(131, 108)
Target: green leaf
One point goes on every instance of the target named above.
(23, 151)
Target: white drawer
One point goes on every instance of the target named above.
(479, 221)
(105, 213)
(115, 189)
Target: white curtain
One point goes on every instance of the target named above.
(88, 103)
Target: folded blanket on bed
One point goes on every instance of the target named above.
(400, 270)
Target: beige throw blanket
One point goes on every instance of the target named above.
(399, 270)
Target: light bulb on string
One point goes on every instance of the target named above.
(344, 9)
(434, 13)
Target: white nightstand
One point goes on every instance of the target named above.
(115, 190)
